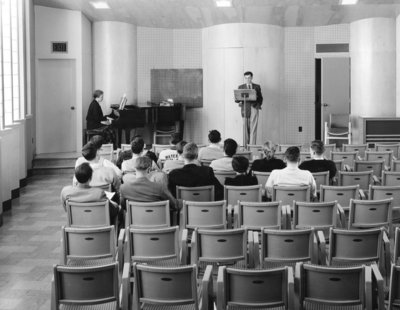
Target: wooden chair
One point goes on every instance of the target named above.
(395, 148)
(395, 165)
(283, 147)
(383, 192)
(396, 248)
(347, 157)
(85, 287)
(386, 156)
(390, 178)
(222, 175)
(329, 148)
(88, 214)
(256, 151)
(232, 194)
(107, 151)
(288, 194)
(279, 155)
(247, 154)
(377, 166)
(147, 214)
(363, 179)
(205, 162)
(157, 148)
(304, 156)
(321, 178)
(207, 215)
(125, 147)
(199, 193)
(360, 148)
(323, 287)
(338, 128)
(394, 288)
(252, 289)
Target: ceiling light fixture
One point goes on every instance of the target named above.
(99, 4)
(348, 2)
(223, 3)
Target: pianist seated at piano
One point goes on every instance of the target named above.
(99, 123)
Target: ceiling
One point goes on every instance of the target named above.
(204, 13)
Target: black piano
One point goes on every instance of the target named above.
(153, 115)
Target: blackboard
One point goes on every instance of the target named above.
(184, 86)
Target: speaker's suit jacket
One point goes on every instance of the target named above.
(255, 104)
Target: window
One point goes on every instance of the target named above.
(11, 55)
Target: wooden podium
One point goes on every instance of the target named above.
(245, 95)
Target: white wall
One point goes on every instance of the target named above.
(87, 67)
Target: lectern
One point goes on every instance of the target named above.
(245, 95)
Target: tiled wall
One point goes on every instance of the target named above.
(169, 49)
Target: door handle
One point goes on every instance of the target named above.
(325, 104)
(72, 108)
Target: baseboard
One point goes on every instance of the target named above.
(29, 173)
(15, 193)
(23, 182)
(7, 205)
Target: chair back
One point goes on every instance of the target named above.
(247, 154)
(283, 147)
(396, 165)
(172, 286)
(396, 250)
(107, 151)
(329, 148)
(386, 156)
(321, 178)
(394, 288)
(77, 286)
(390, 178)
(339, 163)
(147, 214)
(88, 214)
(360, 148)
(256, 215)
(250, 193)
(389, 147)
(262, 177)
(204, 214)
(347, 157)
(370, 213)
(318, 215)
(154, 244)
(377, 166)
(157, 148)
(287, 194)
(199, 193)
(81, 246)
(279, 155)
(342, 194)
(222, 175)
(305, 156)
(383, 192)
(362, 178)
(125, 147)
(286, 247)
(353, 247)
(250, 289)
(206, 162)
(256, 151)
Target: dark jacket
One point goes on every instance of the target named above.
(94, 116)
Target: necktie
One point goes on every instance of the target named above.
(249, 86)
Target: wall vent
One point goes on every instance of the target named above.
(59, 47)
(332, 48)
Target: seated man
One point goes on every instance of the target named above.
(172, 152)
(102, 175)
(137, 147)
(82, 192)
(171, 164)
(240, 164)
(214, 150)
(225, 163)
(97, 141)
(291, 175)
(142, 189)
(192, 175)
(318, 163)
(269, 162)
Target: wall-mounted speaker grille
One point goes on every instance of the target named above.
(332, 48)
(59, 47)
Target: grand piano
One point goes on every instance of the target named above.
(153, 115)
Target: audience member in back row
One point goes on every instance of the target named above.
(225, 163)
(171, 164)
(214, 149)
(192, 175)
(82, 192)
(97, 141)
(291, 175)
(142, 189)
(102, 175)
(318, 163)
(240, 164)
(269, 162)
(171, 153)
(137, 147)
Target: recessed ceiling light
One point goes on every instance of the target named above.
(348, 2)
(99, 4)
(223, 3)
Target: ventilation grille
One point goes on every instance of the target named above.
(332, 48)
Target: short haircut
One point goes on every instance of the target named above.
(137, 145)
(292, 154)
(97, 141)
(230, 147)
(214, 136)
(269, 149)
(318, 147)
(175, 138)
(83, 173)
(142, 163)
(97, 93)
(89, 151)
(248, 73)
(240, 164)
(179, 146)
(190, 151)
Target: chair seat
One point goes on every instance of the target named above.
(282, 262)
(106, 306)
(250, 308)
(84, 262)
(172, 307)
(173, 262)
(313, 305)
(338, 131)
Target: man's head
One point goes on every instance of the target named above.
(175, 138)
(179, 147)
(97, 141)
(137, 145)
(240, 164)
(142, 163)
(317, 148)
(214, 136)
(190, 151)
(89, 151)
(83, 173)
(230, 147)
(292, 154)
(269, 149)
(98, 95)
(248, 77)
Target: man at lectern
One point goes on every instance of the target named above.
(250, 112)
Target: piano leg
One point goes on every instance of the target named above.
(127, 135)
